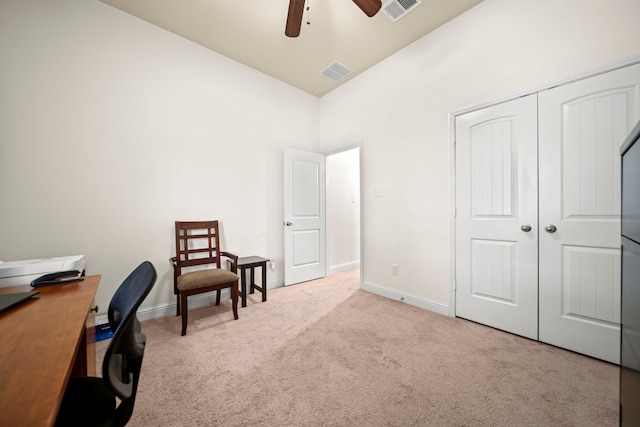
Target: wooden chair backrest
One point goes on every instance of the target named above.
(197, 243)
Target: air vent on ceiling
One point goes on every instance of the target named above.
(396, 9)
(336, 71)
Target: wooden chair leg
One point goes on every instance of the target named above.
(183, 304)
(234, 300)
(177, 304)
(218, 297)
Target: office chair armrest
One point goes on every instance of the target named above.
(233, 258)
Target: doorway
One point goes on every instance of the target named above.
(343, 210)
(322, 233)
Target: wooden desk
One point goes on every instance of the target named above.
(42, 343)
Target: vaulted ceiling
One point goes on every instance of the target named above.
(252, 33)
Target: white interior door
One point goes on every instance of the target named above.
(582, 125)
(304, 216)
(497, 216)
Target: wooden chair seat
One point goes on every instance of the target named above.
(204, 278)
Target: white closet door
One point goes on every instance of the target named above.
(496, 199)
(581, 127)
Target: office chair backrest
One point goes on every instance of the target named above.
(123, 358)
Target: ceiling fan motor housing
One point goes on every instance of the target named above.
(296, 10)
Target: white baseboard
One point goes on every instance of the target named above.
(344, 267)
(169, 308)
(411, 300)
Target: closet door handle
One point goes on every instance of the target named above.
(526, 228)
(550, 228)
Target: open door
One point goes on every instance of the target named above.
(304, 216)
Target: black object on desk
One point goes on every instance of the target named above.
(250, 263)
(57, 278)
(11, 300)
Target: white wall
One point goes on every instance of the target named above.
(111, 129)
(98, 109)
(401, 109)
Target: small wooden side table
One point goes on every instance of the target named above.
(250, 263)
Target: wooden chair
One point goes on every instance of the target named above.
(109, 400)
(198, 244)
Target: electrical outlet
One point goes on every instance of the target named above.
(395, 269)
(272, 264)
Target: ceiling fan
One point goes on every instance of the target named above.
(296, 10)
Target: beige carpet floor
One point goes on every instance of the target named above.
(325, 353)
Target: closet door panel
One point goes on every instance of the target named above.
(496, 194)
(581, 128)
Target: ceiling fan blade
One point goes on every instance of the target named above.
(294, 18)
(370, 7)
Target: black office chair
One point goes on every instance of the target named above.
(91, 401)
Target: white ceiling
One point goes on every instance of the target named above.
(252, 33)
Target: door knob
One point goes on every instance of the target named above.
(526, 228)
(550, 228)
(288, 223)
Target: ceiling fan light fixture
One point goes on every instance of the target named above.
(369, 7)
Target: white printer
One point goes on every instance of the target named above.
(23, 272)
